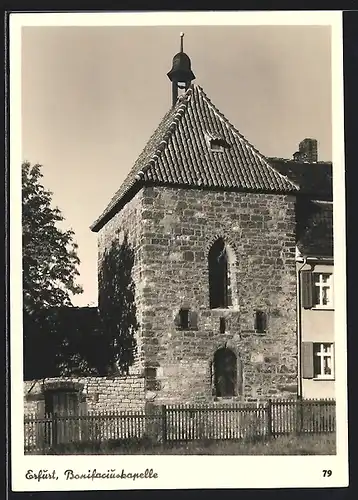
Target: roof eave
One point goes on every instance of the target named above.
(120, 203)
(315, 258)
(237, 189)
(290, 160)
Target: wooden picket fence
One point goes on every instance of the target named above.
(186, 422)
(248, 421)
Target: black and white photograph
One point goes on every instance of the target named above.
(178, 272)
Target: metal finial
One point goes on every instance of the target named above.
(181, 41)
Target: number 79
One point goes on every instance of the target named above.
(327, 473)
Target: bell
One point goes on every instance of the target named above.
(181, 69)
(181, 74)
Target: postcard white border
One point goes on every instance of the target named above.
(180, 471)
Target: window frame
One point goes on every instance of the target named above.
(321, 285)
(321, 354)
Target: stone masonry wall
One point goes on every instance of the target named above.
(171, 231)
(179, 226)
(99, 393)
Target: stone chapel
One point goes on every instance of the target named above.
(213, 226)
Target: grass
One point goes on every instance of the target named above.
(316, 444)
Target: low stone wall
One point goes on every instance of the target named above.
(98, 393)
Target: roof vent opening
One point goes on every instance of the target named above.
(217, 144)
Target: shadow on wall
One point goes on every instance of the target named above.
(117, 309)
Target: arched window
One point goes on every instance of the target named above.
(219, 276)
(225, 373)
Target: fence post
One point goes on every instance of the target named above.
(54, 430)
(164, 424)
(299, 415)
(269, 417)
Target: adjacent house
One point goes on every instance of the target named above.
(315, 275)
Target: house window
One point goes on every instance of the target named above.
(316, 290)
(323, 361)
(225, 373)
(219, 276)
(317, 360)
(322, 290)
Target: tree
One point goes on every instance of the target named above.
(49, 253)
(117, 308)
(50, 269)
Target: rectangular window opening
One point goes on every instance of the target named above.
(260, 322)
(222, 325)
(184, 318)
(323, 361)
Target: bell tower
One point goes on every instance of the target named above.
(181, 74)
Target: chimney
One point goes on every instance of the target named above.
(307, 151)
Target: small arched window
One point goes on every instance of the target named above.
(219, 276)
(225, 373)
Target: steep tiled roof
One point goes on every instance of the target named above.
(315, 227)
(312, 178)
(179, 153)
